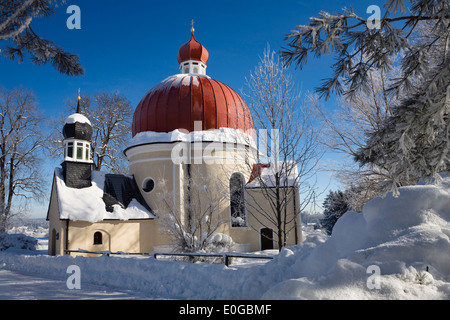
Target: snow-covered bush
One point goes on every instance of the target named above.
(17, 241)
(219, 242)
(190, 227)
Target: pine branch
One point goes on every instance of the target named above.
(15, 25)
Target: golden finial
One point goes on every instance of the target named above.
(192, 26)
(78, 102)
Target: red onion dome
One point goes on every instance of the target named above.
(182, 99)
(192, 50)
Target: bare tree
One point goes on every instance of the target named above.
(291, 144)
(111, 120)
(16, 17)
(110, 115)
(21, 141)
(192, 225)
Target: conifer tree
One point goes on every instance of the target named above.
(334, 205)
(16, 17)
(415, 140)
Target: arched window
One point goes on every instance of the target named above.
(237, 201)
(98, 238)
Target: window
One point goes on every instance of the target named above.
(237, 201)
(148, 185)
(70, 149)
(98, 238)
(79, 151)
(87, 152)
(195, 69)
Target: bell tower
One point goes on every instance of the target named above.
(77, 132)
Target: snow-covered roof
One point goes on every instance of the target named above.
(263, 175)
(225, 135)
(88, 204)
(77, 117)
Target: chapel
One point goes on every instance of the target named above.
(193, 165)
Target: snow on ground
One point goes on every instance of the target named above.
(19, 286)
(398, 248)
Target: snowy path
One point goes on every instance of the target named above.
(18, 286)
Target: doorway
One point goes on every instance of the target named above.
(266, 239)
(53, 243)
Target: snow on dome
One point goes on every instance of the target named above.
(224, 135)
(77, 117)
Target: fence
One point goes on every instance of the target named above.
(225, 256)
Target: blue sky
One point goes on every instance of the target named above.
(130, 46)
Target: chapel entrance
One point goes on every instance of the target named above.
(266, 238)
(53, 243)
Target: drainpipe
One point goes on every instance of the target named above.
(67, 236)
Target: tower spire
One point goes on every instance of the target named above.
(192, 26)
(78, 103)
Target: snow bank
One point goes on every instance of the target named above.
(405, 239)
(401, 237)
(87, 204)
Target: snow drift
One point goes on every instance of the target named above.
(405, 238)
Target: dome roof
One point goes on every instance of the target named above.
(77, 130)
(77, 126)
(182, 99)
(192, 50)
